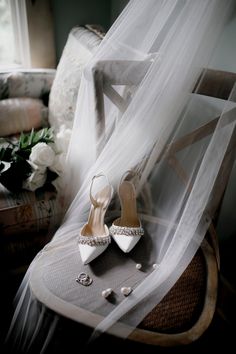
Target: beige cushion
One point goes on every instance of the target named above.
(21, 114)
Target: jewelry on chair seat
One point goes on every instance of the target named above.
(84, 279)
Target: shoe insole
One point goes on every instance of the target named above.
(129, 216)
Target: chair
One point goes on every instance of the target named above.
(178, 319)
(201, 274)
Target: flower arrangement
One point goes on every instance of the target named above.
(33, 161)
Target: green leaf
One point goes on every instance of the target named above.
(29, 140)
(6, 154)
(23, 141)
(31, 136)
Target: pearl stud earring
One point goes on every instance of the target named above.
(126, 290)
(107, 292)
(155, 266)
(138, 266)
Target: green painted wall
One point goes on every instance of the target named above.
(224, 56)
(116, 8)
(70, 13)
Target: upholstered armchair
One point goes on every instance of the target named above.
(34, 99)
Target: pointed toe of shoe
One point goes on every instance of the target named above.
(126, 243)
(126, 237)
(89, 253)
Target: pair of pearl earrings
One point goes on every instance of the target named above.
(125, 290)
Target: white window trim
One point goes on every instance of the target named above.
(21, 32)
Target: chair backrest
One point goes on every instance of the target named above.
(212, 83)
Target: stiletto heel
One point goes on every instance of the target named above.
(127, 230)
(94, 236)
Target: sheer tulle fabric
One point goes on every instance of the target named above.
(152, 56)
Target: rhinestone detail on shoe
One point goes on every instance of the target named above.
(94, 240)
(126, 231)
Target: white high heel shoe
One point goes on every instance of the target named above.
(94, 236)
(127, 230)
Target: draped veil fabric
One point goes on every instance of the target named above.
(135, 99)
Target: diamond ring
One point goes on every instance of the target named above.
(84, 279)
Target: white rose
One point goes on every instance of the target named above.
(35, 180)
(62, 139)
(42, 155)
(59, 163)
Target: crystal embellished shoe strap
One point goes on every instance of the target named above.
(127, 231)
(94, 240)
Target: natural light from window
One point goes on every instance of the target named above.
(14, 36)
(7, 45)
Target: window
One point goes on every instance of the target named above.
(6, 34)
(26, 34)
(14, 39)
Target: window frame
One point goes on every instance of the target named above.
(21, 33)
(33, 35)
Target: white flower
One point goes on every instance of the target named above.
(62, 139)
(36, 180)
(7, 165)
(59, 163)
(42, 155)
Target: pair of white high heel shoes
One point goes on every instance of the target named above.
(94, 237)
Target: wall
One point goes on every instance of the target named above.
(116, 8)
(41, 34)
(224, 56)
(70, 13)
